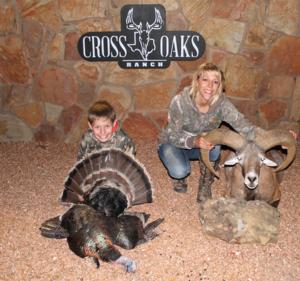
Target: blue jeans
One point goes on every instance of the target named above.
(177, 160)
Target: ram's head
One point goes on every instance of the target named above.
(250, 155)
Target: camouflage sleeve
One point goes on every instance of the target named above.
(128, 145)
(237, 120)
(81, 150)
(83, 147)
(176, 134)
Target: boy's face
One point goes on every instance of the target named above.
(102, 129)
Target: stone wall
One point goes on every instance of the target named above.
(46, 88)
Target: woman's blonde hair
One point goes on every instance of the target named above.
(201, 69)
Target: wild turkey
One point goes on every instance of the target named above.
(93, 234)
(102, 186)
(110, 181)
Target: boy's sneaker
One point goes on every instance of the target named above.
(180, 185)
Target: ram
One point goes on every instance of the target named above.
(252, 169)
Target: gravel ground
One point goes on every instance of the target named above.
(32, 177)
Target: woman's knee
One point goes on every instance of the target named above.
(167, 153)
(178, 172)
(214, 153)
(174, 161)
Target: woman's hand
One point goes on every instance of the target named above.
(202, 143)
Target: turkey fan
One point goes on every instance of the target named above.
(93, 234)
(108, 180)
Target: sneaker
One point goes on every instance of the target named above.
(180, 185)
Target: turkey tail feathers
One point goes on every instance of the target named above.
(149, 230)
(108, 167)
(52, 228)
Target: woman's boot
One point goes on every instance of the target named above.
(205, 181)
(180, 185)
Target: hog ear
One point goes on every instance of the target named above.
(268, 162)
(232, 161)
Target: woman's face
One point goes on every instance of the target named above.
(208, 84)
(102, 129)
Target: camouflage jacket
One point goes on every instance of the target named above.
(185, 122)
(118, 140)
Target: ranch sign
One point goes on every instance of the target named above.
(143, 41)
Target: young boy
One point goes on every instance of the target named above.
(104, 131)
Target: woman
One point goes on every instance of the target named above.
(200, 108)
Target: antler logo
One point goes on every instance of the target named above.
(142, 41)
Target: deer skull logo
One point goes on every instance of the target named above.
(142, 41)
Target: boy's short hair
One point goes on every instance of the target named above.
(101, 108)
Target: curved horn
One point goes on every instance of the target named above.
(268, 139)
(220, 136)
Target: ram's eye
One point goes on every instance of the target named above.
(239, 158)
